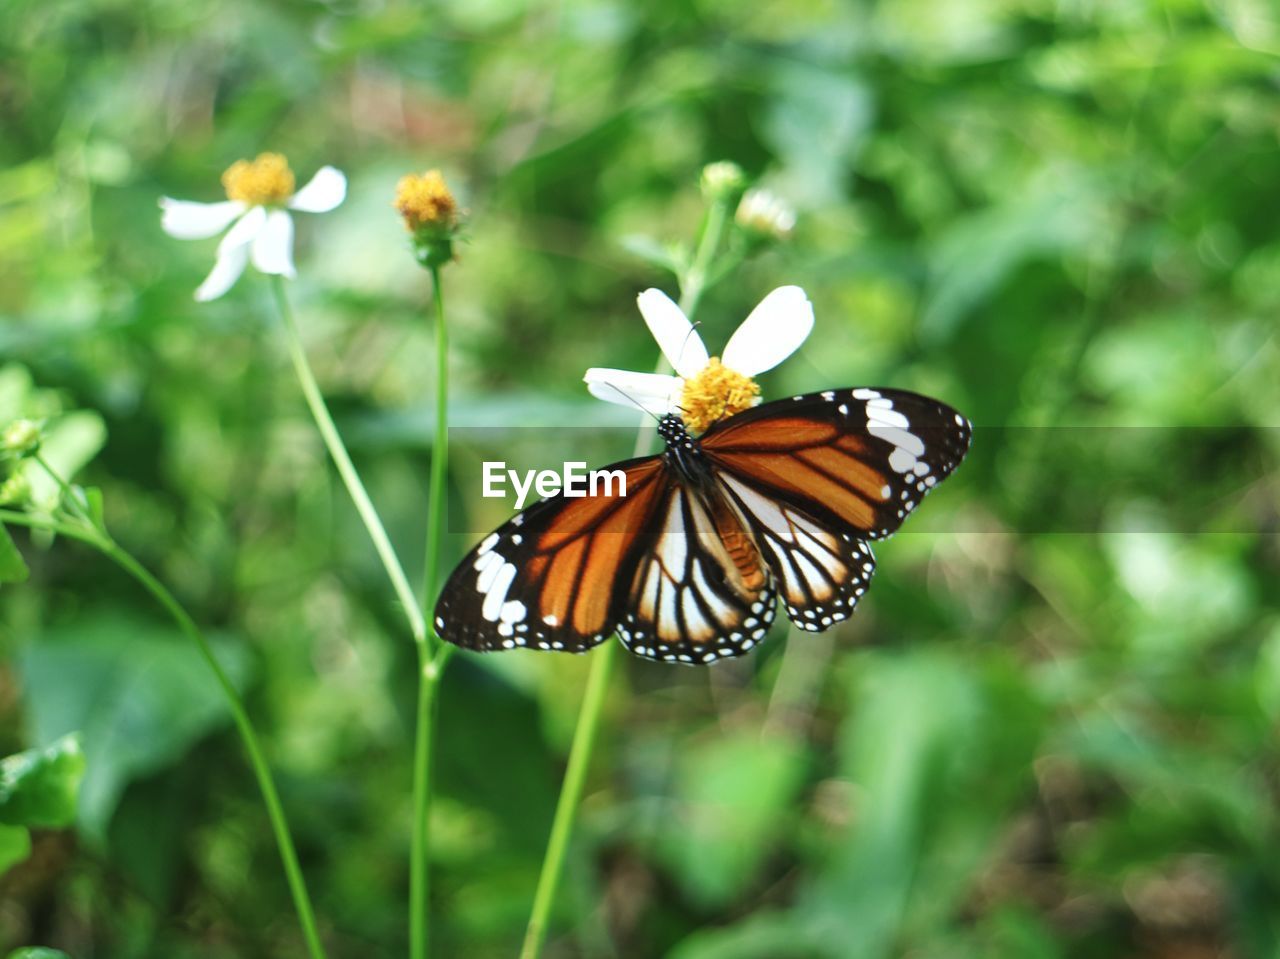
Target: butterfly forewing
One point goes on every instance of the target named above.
(856, 461)
(699, 592)
(550, 578)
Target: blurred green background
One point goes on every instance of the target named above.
(1051, 729)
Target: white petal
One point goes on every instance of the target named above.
(226, 271)
(188, 220)
(651, 391)
(774, 330)
(245, 231)
(322, 193)
(679, 341)
(273, 246)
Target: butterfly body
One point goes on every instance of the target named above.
(683, 452)
(778, 502)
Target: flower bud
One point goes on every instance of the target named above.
(430, 214)
(20, 438)
(15, 491)
(723, 181)
(764, 215)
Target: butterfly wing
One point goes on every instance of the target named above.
(857, 460)
(821, 571)
(816, 476)
(699, 592)
(554, 576)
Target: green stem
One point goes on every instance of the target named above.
(429, 669)
(575, 776)
(68, 494)
(342, 460)
(275, 812)
(692, 285)
(439, 452)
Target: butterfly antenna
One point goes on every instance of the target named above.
(693, 331)
(630, 399)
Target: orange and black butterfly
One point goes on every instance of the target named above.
(779, 501)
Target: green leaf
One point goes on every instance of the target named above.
(817, 122)
(1064, 214)
(37, 952)
(69, 444)
(139, 691)
(12, 567)
(733, 795)
(16, 388)
(97, 513)
(38, 787)
(924, 728)
(15, 846)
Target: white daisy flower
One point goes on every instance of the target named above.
(260, 194)
(707, 388)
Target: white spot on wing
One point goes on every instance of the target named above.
(489, 568)
(898, 437)
(901, 461)
(889, 417)
(496, 595)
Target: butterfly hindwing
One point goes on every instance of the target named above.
(821, 572)
(699, 592)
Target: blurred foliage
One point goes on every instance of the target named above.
(38, 789)
(1051, 729)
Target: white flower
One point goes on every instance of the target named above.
(707, 388)
(259, 195)
(765, 214)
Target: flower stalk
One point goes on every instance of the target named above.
(693, 283)
(432, 218)
(346, 469)
(430, 664)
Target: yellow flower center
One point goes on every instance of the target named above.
(266, 181)
(715, 393)
(424, 201)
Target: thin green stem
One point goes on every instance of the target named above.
(342, 460)
(692, 285)
(266, 783)
(439, 452)
(68, 494)
(429, 669)
(81, 532)
(275, 811)
(575, 776)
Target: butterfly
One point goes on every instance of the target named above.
(780, 501)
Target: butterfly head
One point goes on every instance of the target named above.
(673, 431)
